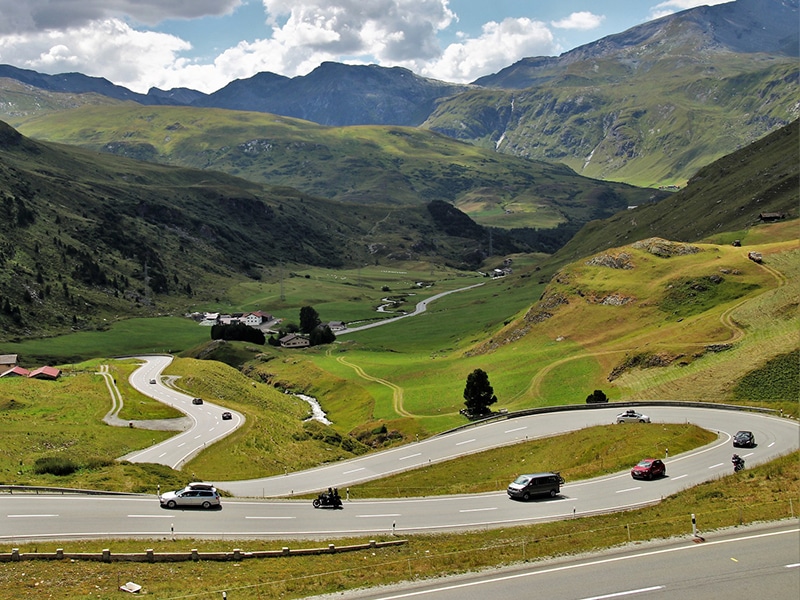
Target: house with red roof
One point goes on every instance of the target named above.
(16, 372)
(45, 373)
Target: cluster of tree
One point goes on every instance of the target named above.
(238, 331)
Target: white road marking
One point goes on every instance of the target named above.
(410, 456)
(466, 510)
(374, 516)
(29, 516)
(354, 470)
(513, 430)
(792, 566)
(162, 455)
(679, 477)
(465, 442)
(271, 518)
(628, 593)
(181, 444)
(716, 465)
(150, 516)
(771, 445)
(633, 489)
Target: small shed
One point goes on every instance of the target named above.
(45, 373)
(16, 372)
(8, 361)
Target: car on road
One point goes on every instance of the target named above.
(631, 416)
(226, 416)
(152, 381)
(744, 439)
(197, 400)
(194, 495)
(649, 468)
(526, 486)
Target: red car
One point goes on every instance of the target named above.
(649, 468)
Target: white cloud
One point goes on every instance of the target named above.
(23, 16)
(299, 35)
(583, 20)
(108, 48)
(499, 45)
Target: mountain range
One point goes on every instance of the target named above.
(91, 233)
(648, 106)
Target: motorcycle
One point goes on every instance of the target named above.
(738, 463)
(330, 499)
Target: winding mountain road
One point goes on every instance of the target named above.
(251, 515)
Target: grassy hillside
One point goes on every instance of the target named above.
(722, 202)
(364, 165)
(649, 121)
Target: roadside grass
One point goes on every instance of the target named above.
(63, 418)
(769, 492)
(135, 405)
(582, 454)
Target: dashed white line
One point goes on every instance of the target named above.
(272, 518)
(679, 477)
(513, 430)
(150, 517)
(633, 489)
(29, 516)
(468, 510)
(410, 456)
(353, 471)
(627, 593)
(465, 442)
(374, 516)
(716, 465)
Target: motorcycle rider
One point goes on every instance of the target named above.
(738, 462)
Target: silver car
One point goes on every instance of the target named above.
(631, 416)
(193, 495)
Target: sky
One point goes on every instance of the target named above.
(205, 44)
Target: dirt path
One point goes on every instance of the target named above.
(397, 391)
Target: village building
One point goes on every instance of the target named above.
(16, 372)
(294, 340)
(45, 373)
(7, 361)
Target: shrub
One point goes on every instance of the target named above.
(596, 397)
(55, 465)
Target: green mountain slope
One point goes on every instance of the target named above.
(626, 119)
(88, 237)
(365, 165)
(722, 201)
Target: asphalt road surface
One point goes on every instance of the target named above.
(64, 517)
(206, 426)
(746, 563)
